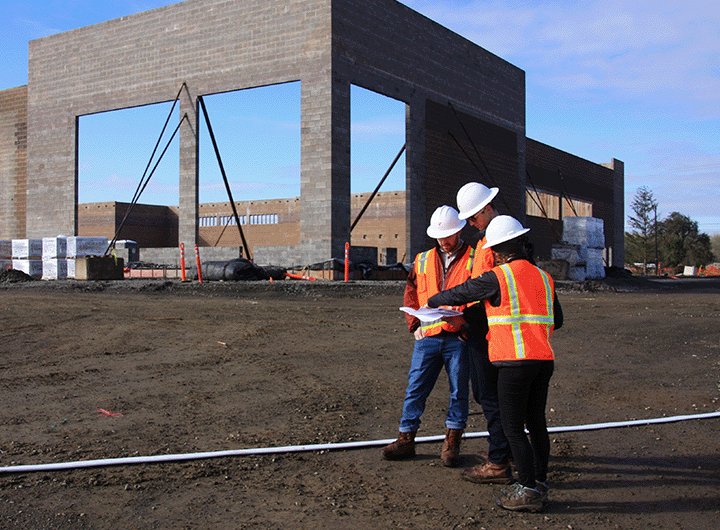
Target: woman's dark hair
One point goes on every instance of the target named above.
(517, 247)
(512, 247)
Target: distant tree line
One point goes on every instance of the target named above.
(672, 241)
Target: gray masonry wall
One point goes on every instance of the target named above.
(389, 48)
(212, 46)
(13, 162)
(221, 45)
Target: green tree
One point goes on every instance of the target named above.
(640, 243)
(715, 244)
(681, 243)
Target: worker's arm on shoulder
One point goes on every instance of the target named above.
(475, 289)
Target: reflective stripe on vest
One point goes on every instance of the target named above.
(427, 283)
(521, 327)
(421, 262)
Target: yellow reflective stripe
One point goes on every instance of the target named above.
(422, 262)
(432, 325)
(514, 311)
(549, 302)
(520, 319)
(471, 259)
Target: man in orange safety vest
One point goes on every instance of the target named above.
(475, 202)
(437, 343)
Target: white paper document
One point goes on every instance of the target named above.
(428, 314)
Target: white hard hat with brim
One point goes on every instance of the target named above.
(503, 228)
(473, 197)
(445, 222)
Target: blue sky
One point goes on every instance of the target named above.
(637, 81)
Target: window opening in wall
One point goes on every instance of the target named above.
(124, 157)
(377, 138)
(114, 149)
(377, 133)
(208, 221)
(554, 206)
(258, 135)
(540, 204)
(579, 208)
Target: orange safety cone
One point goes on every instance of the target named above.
(197, 257)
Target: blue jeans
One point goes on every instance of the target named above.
(484, 379)
(429, 356)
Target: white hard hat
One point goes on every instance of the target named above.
(445, 222)
(473, 197)
(503, 228)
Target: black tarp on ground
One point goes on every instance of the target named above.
(238, 269)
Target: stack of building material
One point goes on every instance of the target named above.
(27, 256)
(49, 258)
(5, 255)
(54, 258)
(582, 247)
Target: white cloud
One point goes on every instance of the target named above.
(667, 49)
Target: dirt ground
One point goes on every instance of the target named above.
(185, 367)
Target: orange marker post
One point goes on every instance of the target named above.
(182, 261)
(347, 261)
(197, 257)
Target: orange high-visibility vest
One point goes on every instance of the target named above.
(521, 327)
(431, 280)
(483, 261)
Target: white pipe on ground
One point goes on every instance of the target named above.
(317, 447)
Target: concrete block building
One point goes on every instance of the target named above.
(465, 113)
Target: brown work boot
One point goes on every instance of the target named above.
(518, 498)
(488, 473)
(400, 449)
(450, 456)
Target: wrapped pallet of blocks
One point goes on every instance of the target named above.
(587, 231)
(54, 247)
(583, 247)
(78, 246)
(27, 249)
(55, 268)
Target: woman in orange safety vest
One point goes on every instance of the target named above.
(523, 311)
